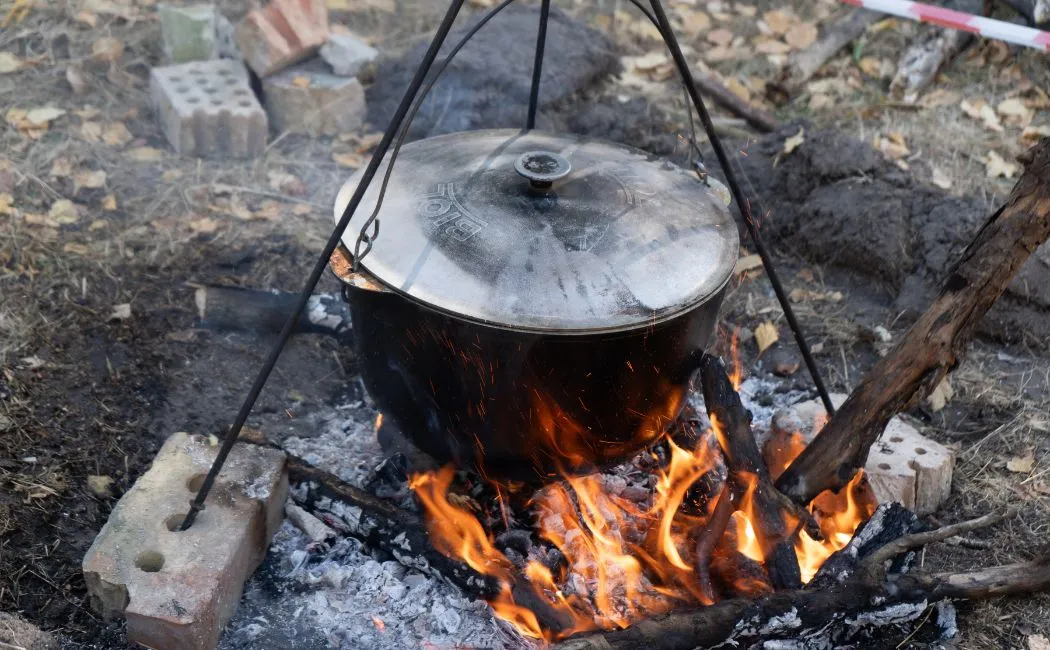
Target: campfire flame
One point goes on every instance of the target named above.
(626, 559)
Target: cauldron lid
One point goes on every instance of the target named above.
(488, 226)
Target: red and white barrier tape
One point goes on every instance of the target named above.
(986, 27)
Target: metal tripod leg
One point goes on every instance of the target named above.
(322, 262)
(660, 17)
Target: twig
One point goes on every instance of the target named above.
(916, 540)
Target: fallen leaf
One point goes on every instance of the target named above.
(43, 115)
(89, 179)
(747, 263)
(795, 141)
(91, 132)
(76, 249)
(87, 113)
(302, 210)
(100, 485)
(301, 81)
(286, 183)
(10, 63)
(940, 179)
(870, 66)
(351, 160)
(996, 166)
(61, 167)
(120, 312)
(34, 219)
(650, 61)
(76, 79)
(766, 335)
(801, 36)
(694, 22)
(778, 22)
(144, 154)
(721, 36)
(740, 90)
(940, 396)
(1038, 642)
(1033, 134)
(1021, 464)
(87, 17)
(7, 205)
(771, 46)
(892, 146)
(116, 134)
(107, 49)
(64, 212)
(109, 203)
(980, 110)
(204, 225)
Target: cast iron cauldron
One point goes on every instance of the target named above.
(534, 303)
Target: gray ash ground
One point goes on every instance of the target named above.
(345, 595)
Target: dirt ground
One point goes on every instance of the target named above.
(87, 391)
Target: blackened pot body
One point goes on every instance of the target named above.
(520, 405)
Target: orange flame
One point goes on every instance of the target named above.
(625, 559)
(379, 624)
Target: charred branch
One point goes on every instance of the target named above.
(932, 50)
(804, 614)
(936, 343)
(265, 312)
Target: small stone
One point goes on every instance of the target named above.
(189, 33)
(100, 486)
(347, 54)
(314, 528)
(306, 98)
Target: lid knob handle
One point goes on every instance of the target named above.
(542, 168)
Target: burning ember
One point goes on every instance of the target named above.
(611, 554)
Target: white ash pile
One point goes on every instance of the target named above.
(339, 594)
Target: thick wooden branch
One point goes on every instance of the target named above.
(801, 66)
(742, 620)
(936, 343)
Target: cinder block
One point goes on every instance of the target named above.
(307, 98)
(347, 54)
(177, 589)
(903, 465)
(207, 109)
(189, 33)
(282, 33)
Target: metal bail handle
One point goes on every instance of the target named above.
(542, 168)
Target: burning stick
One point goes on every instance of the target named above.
(936, 343)
(749, 476)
